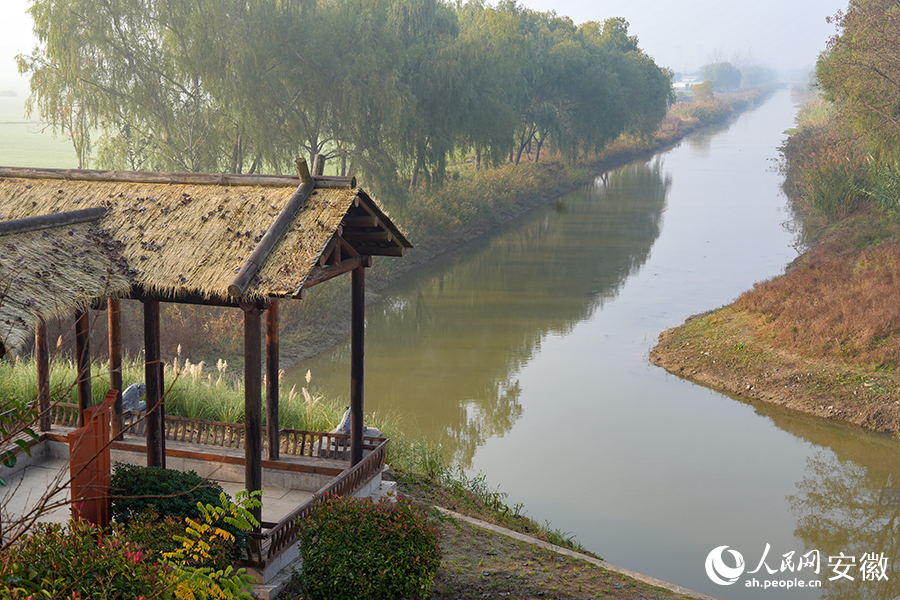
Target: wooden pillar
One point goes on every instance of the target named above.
(114, 307)
(357, 354)
(272, 414)
(156, 451)
(253, 403)
(42, 360)
(318, 165)
(83, 361)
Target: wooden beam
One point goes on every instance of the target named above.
(227, 179)
(350, 250)
(367, 236)
(156, 456)
(329, 248)
(83, 362)
(42, 360)
(115, 364)
(357, 359)
(279, 227)
(138, 293)
(321, 275)
(361, 221)
(382, 250)
(272, 374)
(253, 404)
(62, 219)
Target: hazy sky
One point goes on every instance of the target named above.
(786, 34)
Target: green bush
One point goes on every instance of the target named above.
(136, 490)
(353, 548)
(77, 560)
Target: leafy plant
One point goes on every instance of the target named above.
(14, 429)
(77, 560)
(137, 489)
(201, 565)
(359, 549)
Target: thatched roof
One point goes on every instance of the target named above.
(49, 272)
(187, 236)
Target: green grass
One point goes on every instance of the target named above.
(27, 143)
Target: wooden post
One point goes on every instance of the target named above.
(272, 414)
(114, 307)
(357, 354)
(156, 455)
(42, 360)
(253, 403)
(318, 165)
(83, 362)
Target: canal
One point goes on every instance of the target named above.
(525, 354)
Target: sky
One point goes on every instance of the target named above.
(787, 35)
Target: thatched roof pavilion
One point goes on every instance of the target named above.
(70, 239)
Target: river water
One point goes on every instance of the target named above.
(526, 355)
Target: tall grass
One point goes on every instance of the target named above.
(196, 391)
(840, 304)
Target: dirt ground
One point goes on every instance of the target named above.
(480, 564)
(716, 349)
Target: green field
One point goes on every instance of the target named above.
(27, 143)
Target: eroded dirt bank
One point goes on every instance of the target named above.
(716, 350)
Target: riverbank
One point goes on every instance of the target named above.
(822, 339)
(491, 551)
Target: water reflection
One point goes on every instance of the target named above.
(460, 337)
(847, 501)
(842, 509)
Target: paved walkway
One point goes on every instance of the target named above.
(27, 488)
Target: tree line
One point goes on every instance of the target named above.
(388, 89)
(846, 152)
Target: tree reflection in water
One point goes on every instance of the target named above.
(448, 347)
(838, 509)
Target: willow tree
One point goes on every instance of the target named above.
(164, 88)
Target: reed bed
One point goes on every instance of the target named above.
(197, 391)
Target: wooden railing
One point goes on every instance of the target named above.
(284, 533)
(64, 414)
(295, 442)
(277, 538)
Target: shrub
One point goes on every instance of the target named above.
(154, 534)
(200, 566)
(136, 490)
(358, 549)
(77, 560)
